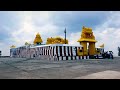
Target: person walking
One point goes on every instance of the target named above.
(55, 58)
(111, 54)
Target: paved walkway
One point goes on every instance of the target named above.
(21, 68)
(102, 75)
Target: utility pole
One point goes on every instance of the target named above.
(65, 35)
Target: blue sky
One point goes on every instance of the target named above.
(17, 27)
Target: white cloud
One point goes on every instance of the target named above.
(109, 32)
(73, 38)
(28, 28)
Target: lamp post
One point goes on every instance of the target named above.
(65, 35)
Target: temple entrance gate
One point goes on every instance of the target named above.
(88, 41)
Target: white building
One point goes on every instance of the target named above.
(50, 52)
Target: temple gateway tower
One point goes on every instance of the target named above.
(38, 39)
(88, 41)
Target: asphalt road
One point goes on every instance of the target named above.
(21, 68)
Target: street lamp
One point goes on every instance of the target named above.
(65, 35)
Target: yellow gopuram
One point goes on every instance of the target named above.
(87, 37)
(38, 39)
(56, 40)
(13, 46)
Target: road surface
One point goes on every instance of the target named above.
(21, 68)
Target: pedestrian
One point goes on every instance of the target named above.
(97, 56)
(110, 55)
(55, 57)
(40, 56)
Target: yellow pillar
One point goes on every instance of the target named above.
(84, 44)
(92, 48)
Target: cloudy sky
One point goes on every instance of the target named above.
(17, 27)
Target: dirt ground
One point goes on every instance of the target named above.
(21, 68)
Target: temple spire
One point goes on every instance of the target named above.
(38, 39)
